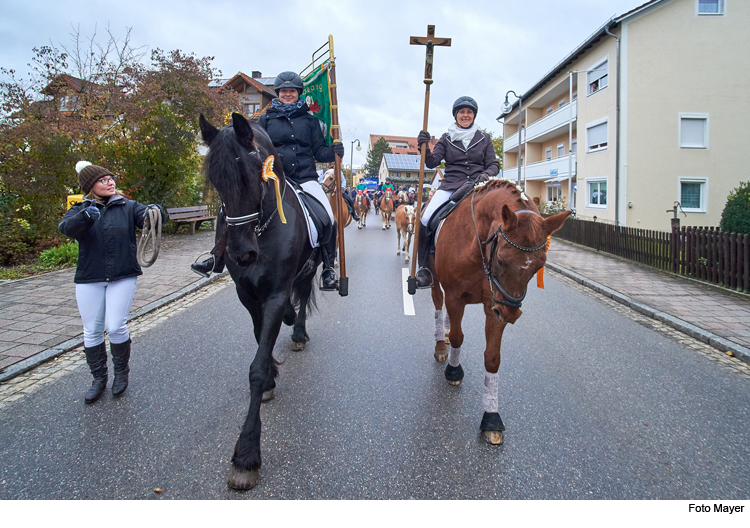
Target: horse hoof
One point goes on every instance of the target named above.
(359, 227)
(267, 396)
(441, 351)
(298, 347)
(243, 479)
(383, 228)
(493, 437)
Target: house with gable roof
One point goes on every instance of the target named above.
(648, 111)
(256, 92)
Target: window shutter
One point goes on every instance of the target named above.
(597, 135)
(599, 72)
(692, 132)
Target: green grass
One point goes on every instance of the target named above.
(53, 259)
(26, 270)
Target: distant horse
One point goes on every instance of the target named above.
(403, 197)
(272, 263)
(486, 252)
(361, 207)
(405, 218)
(386, 208)
(376, 200)
(329, 187)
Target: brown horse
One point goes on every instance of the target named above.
(386, 208)
(361, 208)
(486, 252)
(329, 187)
(405, 218)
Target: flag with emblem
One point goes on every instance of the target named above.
(318, 97)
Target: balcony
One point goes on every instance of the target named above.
(548, 126)
(543, 170)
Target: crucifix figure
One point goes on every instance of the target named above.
(430, 41)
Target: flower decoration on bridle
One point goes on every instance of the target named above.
(268, 174)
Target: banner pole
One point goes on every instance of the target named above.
(336, 135)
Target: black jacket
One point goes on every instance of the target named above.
(299, 140)
(476, 163)
(106, 246)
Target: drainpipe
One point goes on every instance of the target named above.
(617, 132)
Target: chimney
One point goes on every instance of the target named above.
(257, 75)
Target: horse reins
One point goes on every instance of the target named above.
(513, 302)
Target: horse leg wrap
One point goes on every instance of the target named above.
(439, 326)
(454, 356)
(490, 392)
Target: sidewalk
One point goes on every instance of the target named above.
(707, 313)
(39, 316)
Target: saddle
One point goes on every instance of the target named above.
(438, 216)
(316, 212)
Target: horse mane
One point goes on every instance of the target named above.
(229, 161)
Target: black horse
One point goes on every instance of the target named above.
(272, 263)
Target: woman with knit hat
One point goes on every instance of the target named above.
(104, 226)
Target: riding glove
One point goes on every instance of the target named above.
(338, 149)
(423, 137)
(92, 212)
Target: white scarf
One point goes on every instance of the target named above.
(464, 135)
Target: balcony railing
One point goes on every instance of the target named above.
(543, 170)
(558, 119)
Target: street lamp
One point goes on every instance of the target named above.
(506, 108)
(351, 160)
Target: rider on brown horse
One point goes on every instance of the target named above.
(297, 136)
(469, 159)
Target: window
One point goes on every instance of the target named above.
(550, 110)
(597, 193)
(693, 194)
(598, 77)
(554, 192)
(561, 103)
(694, 131)
(575, 96)
(711, 7)
(574, 146)
(596, 137)
(396, 174)
(408, 174)
(560, 150)
(548, 153)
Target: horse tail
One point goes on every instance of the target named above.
(296, 296)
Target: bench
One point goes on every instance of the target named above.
(193, 216)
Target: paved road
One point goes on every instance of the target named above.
(596, 405)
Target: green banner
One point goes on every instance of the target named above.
(317, 96)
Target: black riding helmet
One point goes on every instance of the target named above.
(288, 79)
(465, 102)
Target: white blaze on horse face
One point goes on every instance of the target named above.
(528, 263)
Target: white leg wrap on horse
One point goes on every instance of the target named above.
(454, 356)
(439, 327)
(447, 321)
(490, 392)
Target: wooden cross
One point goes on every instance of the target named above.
(430, 41)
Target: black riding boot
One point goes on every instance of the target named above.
(424, 275)
(350, 206)
(210, 265)
(96, 357)
(329, 255)
(120, 358)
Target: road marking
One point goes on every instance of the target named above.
(408, 300)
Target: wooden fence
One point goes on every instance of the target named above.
(703, 253)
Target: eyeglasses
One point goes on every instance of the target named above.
(106, 180)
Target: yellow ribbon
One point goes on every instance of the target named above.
(268, 174)
(540, 273)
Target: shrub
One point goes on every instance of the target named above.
(736, 215)
(65, 255)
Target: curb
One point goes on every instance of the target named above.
(740, 352)
(57, 350)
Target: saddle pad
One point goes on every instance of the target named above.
(312, 231)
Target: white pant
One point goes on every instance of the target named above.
(438, 199)
(314, 188)
(105, 306)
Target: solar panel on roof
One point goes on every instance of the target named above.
(404, 162)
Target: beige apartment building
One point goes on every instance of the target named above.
(650, 110)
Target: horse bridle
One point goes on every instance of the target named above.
(513, 302)
(234, 221)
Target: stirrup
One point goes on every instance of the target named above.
(322, 287)
(194, 265)
(424, 286)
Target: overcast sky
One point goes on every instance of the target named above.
(496, 46)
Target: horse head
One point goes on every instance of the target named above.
(328, 182)
(234, 165)
(411, 217)
(517, 252)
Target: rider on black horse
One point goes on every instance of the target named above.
(298, 139)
